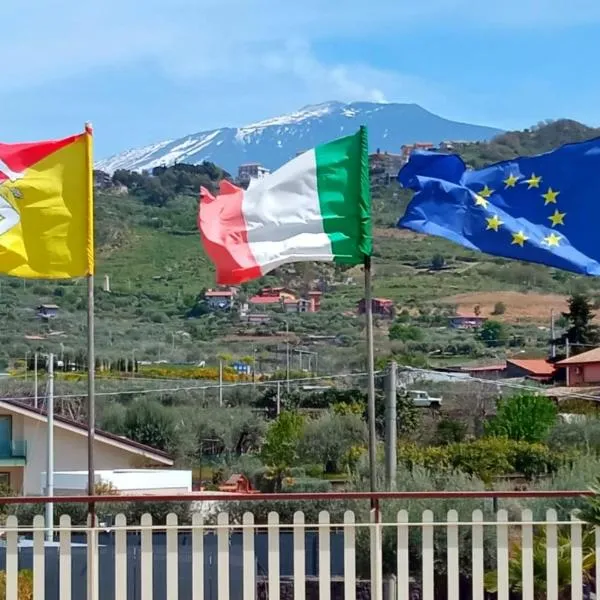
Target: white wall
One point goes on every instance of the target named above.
(143, 481)
(70, 453)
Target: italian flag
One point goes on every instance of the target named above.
(317, 207)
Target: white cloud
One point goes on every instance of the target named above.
(191, 38)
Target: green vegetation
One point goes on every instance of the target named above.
(524, 417)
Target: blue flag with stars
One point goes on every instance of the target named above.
(543, 209)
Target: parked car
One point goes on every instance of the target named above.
(423, 399)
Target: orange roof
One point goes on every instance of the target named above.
(218, 293)
(591, 356)
(536, 366)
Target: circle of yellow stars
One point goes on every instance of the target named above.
(519, 238)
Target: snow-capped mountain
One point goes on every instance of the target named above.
(274, 141)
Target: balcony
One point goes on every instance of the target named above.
(13, 453)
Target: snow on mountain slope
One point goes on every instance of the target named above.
(274, 141)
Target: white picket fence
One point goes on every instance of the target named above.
(508, 535)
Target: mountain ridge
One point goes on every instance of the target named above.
(275, 140)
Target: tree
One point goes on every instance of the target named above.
(523, 417)
(493, 333)
(499, 308)
(438, 262)
(149, 422)
(280, 450)
(331, 439)
(477, 310)
(581, 332)
(405, 333)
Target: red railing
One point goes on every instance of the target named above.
(296, 496)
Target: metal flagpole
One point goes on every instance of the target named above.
(92, 561)
(50, 440)
(90, 328)
(35, 380)
(370, 376)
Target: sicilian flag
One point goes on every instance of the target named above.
(317, 207)
(46, 208)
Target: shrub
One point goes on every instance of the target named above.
(438, 262)
(485, 458)
(528, 417)
(24, 585)
(450, 431)
(499, 308)
(405, 333)
(493, 333)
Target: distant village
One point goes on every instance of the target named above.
(383, 166)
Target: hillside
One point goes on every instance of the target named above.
(277, 140)
(150, 249)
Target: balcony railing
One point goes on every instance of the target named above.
(13, 449)
(449, 555)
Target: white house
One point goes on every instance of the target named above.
(125, 481)
(23, 448)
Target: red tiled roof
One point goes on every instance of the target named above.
(218, 294)
(591, 356)
(536, 366)
(264, 300)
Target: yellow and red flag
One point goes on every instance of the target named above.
(47, 208)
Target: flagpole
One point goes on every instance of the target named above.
(92, 558)
(90, 326)
(370, 376)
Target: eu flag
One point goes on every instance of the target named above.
(543, 209)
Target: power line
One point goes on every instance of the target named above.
(201, 387)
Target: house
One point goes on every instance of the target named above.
(255, 318)
(582, 369)
(219, 299)
(124, 481)
(407, 149)
(274, 296)
(466, 321)
(384, 166)
(485, 372)
(381, 307)
(47, 311)
(450, 145)
(237, 484)
(315, 298)
(23, 448)
(250, 171)
(533, 368)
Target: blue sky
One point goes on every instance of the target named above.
(143, 71)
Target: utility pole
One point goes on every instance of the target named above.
(35, 381)
(278, 398)
(287, 356)
(567, 352)
(390, 428)
(221, 382)
(552, 334)
(50, 438)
